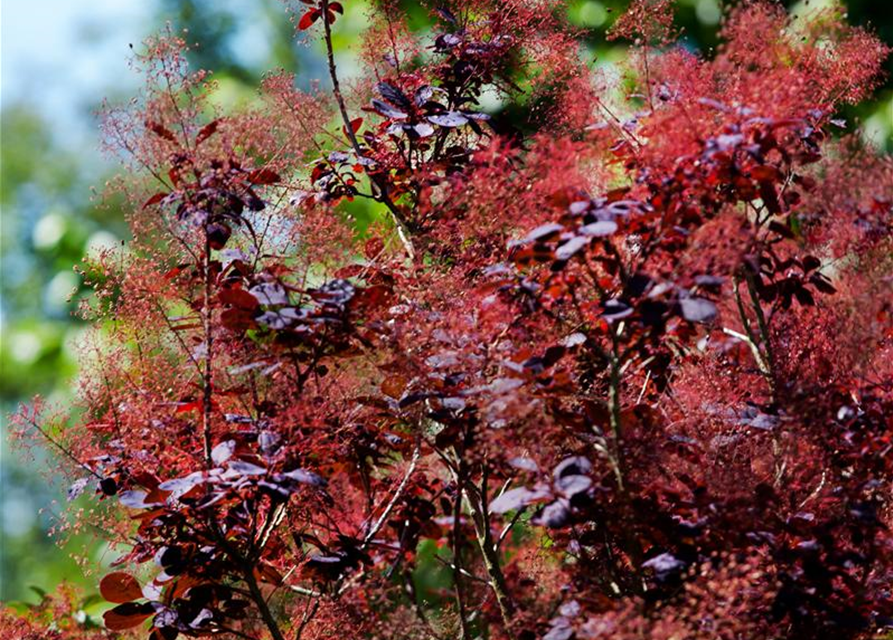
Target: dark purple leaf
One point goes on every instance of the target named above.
(306, 477)
(412, 398)
(616, 310)
(269, 293)
(579, 207)
(664, 565)
(574, 484)
(446, 41)
(166, 618)
(127, 615)
(393, 95)
(235, 417)
(449, 119)
(246, 468)
(555, 515)
(600, 228)
(203, 617)
(423, 95)
(811, 263)
(181, 486)
(821, 283)
(223, 452)
(268, 441)
(804, 297)
(108, 486)
(447, 15)
(134, 499)
(573, 466)
(525, 464)
(514, 499)
(388, 111)
(697, 309)
(77, 487)
(571, 248)
(709, 282)
(423, 129)
(544, 232)
(561, 630)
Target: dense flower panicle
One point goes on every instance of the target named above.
(389, 46)
(619, 366)
(650, 20)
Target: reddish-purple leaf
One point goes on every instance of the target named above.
(223, 452)
(393, 95)
(120, 587)
(514, 499)
(544, 232)
(306, 477)
(246, 468)
(127, 616)
(387, 110)
(308, 19)
(355, 125)
(697, 309)
(158, 197)
(449, 119)
(134, 499)
(207, 131)
(571, 248)
(160, 130)
(600, 228)
(263, 176)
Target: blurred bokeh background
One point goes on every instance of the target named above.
(60, 58)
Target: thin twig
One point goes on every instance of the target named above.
(754, 349)
(401, 487)
(508, 527)
(209, 341)
(304, 591)
(61, 448)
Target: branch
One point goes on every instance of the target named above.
(383, 517)
(508, 528)
(378, 188)
(614, 404)
(481, 519)
(261, 602)
(275, 516)
(209, 339)
(762, 324)
(762, 361)
(307, 617)
(465, 572)
(304, 591)
(457, 554)
(754, 349)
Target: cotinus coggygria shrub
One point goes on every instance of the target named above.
(612, 361)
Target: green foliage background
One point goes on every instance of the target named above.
(51, 217)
